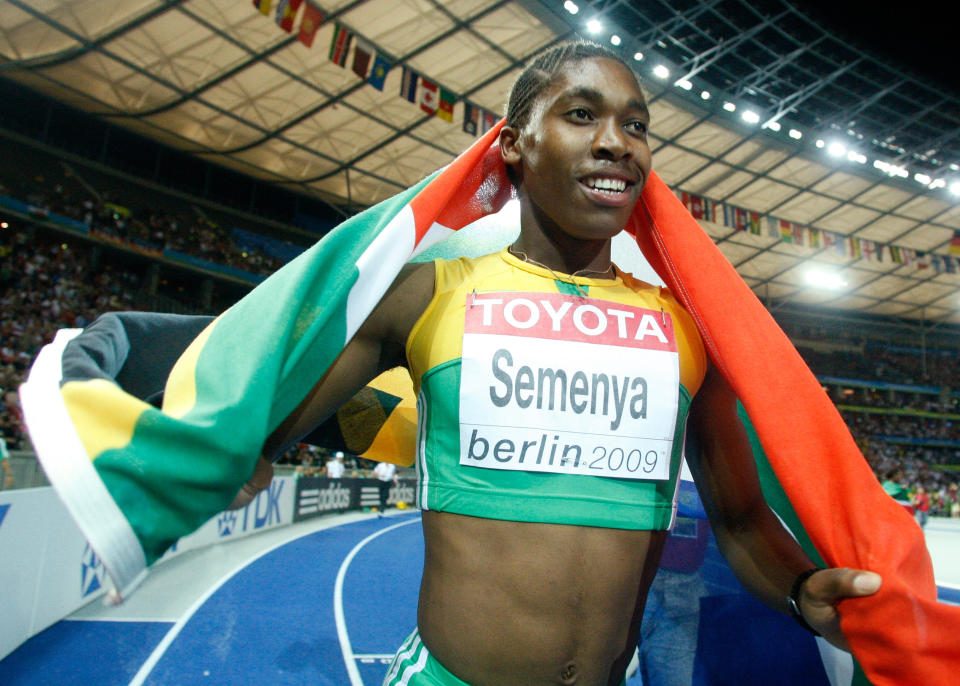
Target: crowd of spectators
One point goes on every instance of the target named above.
(146, 228)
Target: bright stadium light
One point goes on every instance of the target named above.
(922, 178)
(836, 149)
(615, 39)
(818, 278)
(705, 95)
(571, 7)
(684, 84)
(796, 134)
(772, 125)
(638, 56)
(661, 71)
(729, 106)
(750, 117)
(594, 26)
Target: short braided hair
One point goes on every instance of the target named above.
(540, 73)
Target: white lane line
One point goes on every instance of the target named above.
(349, 659)
(151, 662)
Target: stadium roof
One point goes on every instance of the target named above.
(223, 80)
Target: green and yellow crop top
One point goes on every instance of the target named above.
(539, 401)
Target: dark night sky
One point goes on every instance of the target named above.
(924, 41)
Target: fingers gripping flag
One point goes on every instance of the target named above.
(137, 477)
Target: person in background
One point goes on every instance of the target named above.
(386, 473)
(921, 505)
(5, 464)
(335, 467)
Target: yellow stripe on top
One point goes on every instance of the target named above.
(436, 339)
(180, 394)
(98, 429)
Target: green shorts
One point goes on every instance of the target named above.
(413, 665)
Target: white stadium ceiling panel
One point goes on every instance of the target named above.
(220, 79)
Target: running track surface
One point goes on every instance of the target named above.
(277, 620)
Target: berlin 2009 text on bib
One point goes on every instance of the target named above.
(566, 384)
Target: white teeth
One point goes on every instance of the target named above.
(616, 185)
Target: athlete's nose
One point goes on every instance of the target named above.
(610, 142)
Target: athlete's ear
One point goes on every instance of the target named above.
(511, 152)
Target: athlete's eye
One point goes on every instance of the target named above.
(580, 114)
(637, 128)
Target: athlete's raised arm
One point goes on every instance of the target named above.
(376, 347)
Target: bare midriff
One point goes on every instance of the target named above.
(510, 603)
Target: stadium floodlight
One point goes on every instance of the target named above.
(772, 125)
(594, 26)
(571, 7)
(705, 95)
(857, 157)
(729, 106)
(820, 143)
(922, 178)
(796, 134)
(836, 149)
(615, 39)
(954, 189)
(819, 278)
(937, 183)
(661, 71)
(4, 225)
(638, 56)
(750, 117)
(684, 84)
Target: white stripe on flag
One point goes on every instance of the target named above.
(379, 265)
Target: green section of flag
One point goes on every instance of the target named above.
(263, 356)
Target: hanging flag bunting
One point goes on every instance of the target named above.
(786, 231)
(813, 235)
(753, 222)
(361, 58)
(286, 13)
(895, 255)
(955, 243)
(694, 204)
(428, 96)
(381, 65)
(445, 109)
(489, 119)
(340, 45)
(773, 226)
(263, 6)
(854, 247)
(312, 18)
(867, 249)
(922, 259)
(471, 116)
(950, 264)
(408, 85)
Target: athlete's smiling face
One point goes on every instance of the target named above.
(582, 158)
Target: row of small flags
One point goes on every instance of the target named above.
(740, 219)
(373, 67)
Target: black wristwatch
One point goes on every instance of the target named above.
(793, 600)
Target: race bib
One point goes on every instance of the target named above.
(559, 383)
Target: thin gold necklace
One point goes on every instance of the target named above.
(572, 278)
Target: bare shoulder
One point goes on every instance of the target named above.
(403, 303)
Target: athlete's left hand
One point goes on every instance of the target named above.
(820, 593)
(262, 476)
